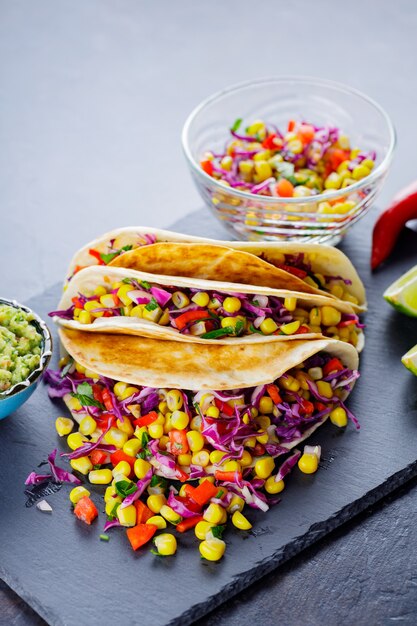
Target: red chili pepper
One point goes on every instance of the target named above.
(296, 271)
(98, 457)
(178, 442)
(190, 316)
(119, 455)
(189, 523)
(232, 477)
(272, 142)
(96, 255)
(145, 420)
(107, 399)
(390, 223)
(224, 407)
(207, 166)
(85, 510)
(204, 492)
(140, 534)
(273, 393)
(334, 365)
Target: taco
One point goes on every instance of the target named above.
(309, 268)
(118, 300)
(239, 407)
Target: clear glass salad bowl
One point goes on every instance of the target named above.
(277, 100)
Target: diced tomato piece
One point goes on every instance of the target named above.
(140, 534)
(86, 510)
(284, 188)
(273, 393)
(98, 457)
(189, 523)
(272, 142)
(143, 512)
(231, 477)
(319, 406)
(224, 407)
(107, 399)
(147, 419)
(119, 455)
(334, 365)
(204, 493)
(306, 133)
(179, 442)
(258, 450)
(302, 330)
(207, 166)
(291, 125)
(103, 421)
(307, 407)
(97, 392)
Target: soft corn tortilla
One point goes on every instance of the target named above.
(327, 259)
(170, 364)
(86, 280)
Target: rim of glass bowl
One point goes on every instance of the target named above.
(45, 354)
(247, 195)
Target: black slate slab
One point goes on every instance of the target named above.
(66, 574)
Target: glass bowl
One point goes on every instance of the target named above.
(277, 100)
(17, 395)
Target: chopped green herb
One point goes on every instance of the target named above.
(145, 284)
(158, 481)
(107, 258)
(218, 531)
(125, 488)
(113, 512)
(85, 396)
(220, 332)
(236, 124)
(104, 537)
(152, 305)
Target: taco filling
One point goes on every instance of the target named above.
(185, 435)
(210, 314)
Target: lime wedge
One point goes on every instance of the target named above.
(410, 360)
(402, 294)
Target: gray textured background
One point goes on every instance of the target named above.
(93, 97)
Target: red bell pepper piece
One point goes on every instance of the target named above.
(204, 493)
(140, 534)
(179, 442)
(224, 407)
(77, 302)
(273, 393)
(207, 166)
(78, 268)
(85, 510)
(190, 503)
(96, 255)
(119, 455)
(302, 330)
(319, 406)
(334, 365)
(189, 523)
(103, 421)
(143, 512)
(296, 271)
(145, 420)
(190, 316)
(346, 323)
(188, 490)
(390, 223)
(272, 142)
(98, 457)
(97, 392)
(107, 399)
(307, 407)
(231, 477)
(291, 125)
(181, 475)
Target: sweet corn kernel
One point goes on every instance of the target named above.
(231, 466)
(290, 304)
(308, 463)
(100, 291)
(246, 459)
(125, 426)
(338, 417)
(315, 373)
(369, 163)
(274, 486)
(155, 502)
(122, 294)
(174, 400)
(110, 505)
(127, 515)
(213, 411)
(128, 391)
(166, 544)
(231, 321)
(246, 168)
(250, 442)
(85, 317)
(263, 171)
(263, 421)
(139, 432)
(264, 467)
(82, 465)
(169, 514)
(141, 468)
(349, 298)
(63, 426)
(360, 171)
(266, 405)
(77, 493)
(100, 477)
(213, 513)
(201, 298)
(180, 299)
(213, 549)
(158, 521)
(179, 420)
(268, 326)
(115, 437)
(262, 437)
(337, 291)
(232, 304)
(202, 528)
(154, 315)
(226, 162)
(195, 441)
(344, 142)
(137, 311)
(216, 456)
(75, 440)
(290, 328)
(184, 459)
(87, 425)
(324, 388)
(155, 430)
(211, 479)
(240, 521)
(289, 382)
(163, 441)
(201, 458)
(110, 493)
(122, 467)
(330, 316)
(132, 447)
(332, 181)
(315, 316)
(119, 388)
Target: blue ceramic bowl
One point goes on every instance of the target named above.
(17, 395)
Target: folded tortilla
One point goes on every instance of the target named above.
(145, 252)
(88, 279)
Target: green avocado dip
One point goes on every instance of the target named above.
(20, 346)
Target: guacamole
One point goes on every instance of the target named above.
(20, 346)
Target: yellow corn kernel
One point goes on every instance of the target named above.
(91, 305)
(139, 432)
(338, 417)
(155, 430)
(169, 514)
(263, 437)
(110, 504)
(163, 441)
(211, 479)
(324, 388)
(202, 528)
(87, 425)
(100, 476)
(268, 326)
(360, 171)
(290, 383)
(163, 407)
(263, 421)
(266, 405)
(232, 304)
(231, 321)
(195, 441)
(174, 400)
(153, 315)
(308, 463)
(250, 442)
(179, 420)
(82, 465)
(264, 467)
(77, 493)
(295, 146)
(236, 504)
(262, 155)
(84, 317)
(240, 521)
(115, 437)
(216, 456)
(137, 311)
(122, 294)
(337, 291)
(158, 521)
(156, 501)
(122, 467)
(349, 298)
(325, 207)
(369, 163)
(107, 301)
(132, 447)
(330, 316)
(344, 334)
(231, 466)
(290, 328)
(213, 411)
(201, 458)
(344, 142)
(274, 486)
(63, 426)
(246, 168)
(213, 513)
(110, 494)
(246, 419)
(100, 291)
(116, 284)
(290, 304)
(119, 388)
(201, 298)
(79, 368)
(168, 426)
(315, 316)
(246, 459)
(75, 440)
(212, 550)
(332, 181)
(125, 426)
(263, 170)
(184, 459)
(128, 391)
(180, 299)
(226, 162)
(127, 515)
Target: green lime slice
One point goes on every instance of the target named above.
(409, 360)
(402, 294)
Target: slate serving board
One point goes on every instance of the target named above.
(68, 576)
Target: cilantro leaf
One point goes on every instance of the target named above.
(145, 284)
(113, 513)
(236, 124)
(152, 305)
(85, 396)
(107, 258)
(145, 439)
(126, 248)
(125, 488)
(158, 481)
(218, 531)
